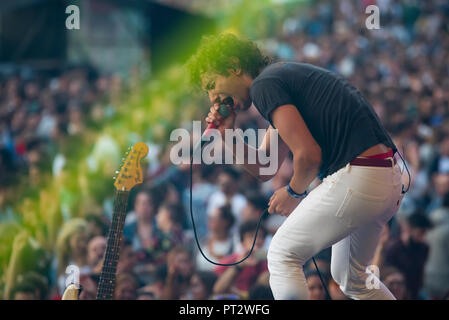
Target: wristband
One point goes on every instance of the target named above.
(294, 194)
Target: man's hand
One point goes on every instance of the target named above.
(282, 203)
(221, 123)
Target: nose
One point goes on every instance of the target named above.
(213, 97)
(228, 101)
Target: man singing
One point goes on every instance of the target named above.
(333, 133)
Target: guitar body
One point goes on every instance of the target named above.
(71, 293)
(130, 175)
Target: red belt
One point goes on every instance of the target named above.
(378, 160)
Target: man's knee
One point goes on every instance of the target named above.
(351, 280)
(282, 258)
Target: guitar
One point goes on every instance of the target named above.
(130, 174)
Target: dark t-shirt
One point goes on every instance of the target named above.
(340, 119)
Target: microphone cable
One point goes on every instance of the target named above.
(408, 172)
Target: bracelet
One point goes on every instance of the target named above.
(294, 194)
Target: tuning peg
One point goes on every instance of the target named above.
(116, 171)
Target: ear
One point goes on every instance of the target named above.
(236, 70)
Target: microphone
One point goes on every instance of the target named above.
(223, 110)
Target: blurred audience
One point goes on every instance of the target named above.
(394, 280)
(201, 285)
(219, 242)
(436, 276)
(316, 289)
(44, 118)
(180, 268)
(409, 252)
(238, 279)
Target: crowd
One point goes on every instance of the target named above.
(402, 69)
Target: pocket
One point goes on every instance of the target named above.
(358, 208)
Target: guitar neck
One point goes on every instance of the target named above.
(107, 278)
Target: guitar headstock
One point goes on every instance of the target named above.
(130, 172)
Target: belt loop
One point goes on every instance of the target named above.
(348, 166)
(392, 164)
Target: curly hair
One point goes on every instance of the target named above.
(217, 54)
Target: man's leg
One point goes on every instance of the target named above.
(310, 228)
(350, 265)
(351, 257)
(346, 200)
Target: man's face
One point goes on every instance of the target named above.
(234, 85)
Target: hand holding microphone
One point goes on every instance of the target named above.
(221, 116)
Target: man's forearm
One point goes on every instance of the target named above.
(251, 168)
(305, 171)
(262, 162)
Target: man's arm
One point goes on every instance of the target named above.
(264, 147)
(306, 156)
(306, 151)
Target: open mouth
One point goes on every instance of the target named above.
(229, 101)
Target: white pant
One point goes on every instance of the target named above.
(346, 211)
